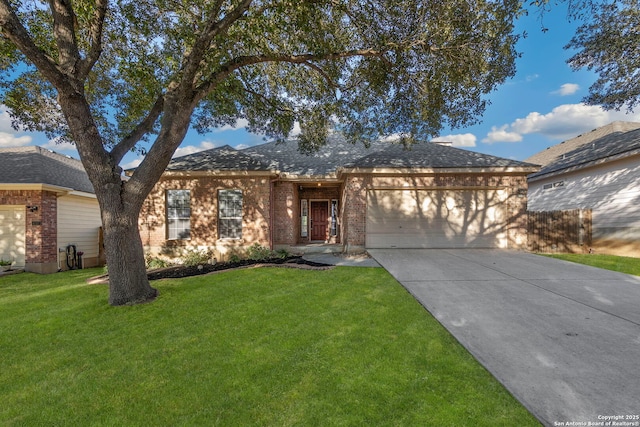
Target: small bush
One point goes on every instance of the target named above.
(282, 253)
(195, 257)
(258, 253)
(155, 262)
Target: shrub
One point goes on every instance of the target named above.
(155, 262)
(282, 253)
(258, 253)
(195, 257)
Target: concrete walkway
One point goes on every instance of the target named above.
(563, 338)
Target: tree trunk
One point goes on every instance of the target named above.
(128, 283)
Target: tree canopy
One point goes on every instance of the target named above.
(108, 75)
(608, 42)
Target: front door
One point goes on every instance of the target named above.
(319, 220)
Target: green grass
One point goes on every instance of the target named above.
(269, 347)
(622, 264)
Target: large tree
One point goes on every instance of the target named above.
(112, 76)
(608, 42)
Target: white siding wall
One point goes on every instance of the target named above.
(78, 223)
(612, 190)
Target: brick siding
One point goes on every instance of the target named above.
(204, 214)
(40, 240)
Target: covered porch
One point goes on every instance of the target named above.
(307, 215)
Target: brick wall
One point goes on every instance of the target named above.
(286, 223)
(41, 249)
(204, 214)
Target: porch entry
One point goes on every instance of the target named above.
(319, 220)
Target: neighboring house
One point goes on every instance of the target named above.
(599, 170)
(46, 204)
(430, 196)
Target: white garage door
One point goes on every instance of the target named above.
(12, 234)
(436, 219)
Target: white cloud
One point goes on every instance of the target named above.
(501, 134)
(295, 131)
(567, 89)
(459, 140)
(12, 140)
(239, 124)
(190, 149)
(8, 137)
(54, 145)
(132, 164)
(5, 120)
(563, 122)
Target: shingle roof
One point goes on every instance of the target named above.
(37, 165)
(285, 158)
(613, 145)
(222, 158)
(555, 152)
(430, 155)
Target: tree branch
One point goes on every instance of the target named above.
(243, 61)
(64, 21)
(212, 29)
(323, 74)
(145, 126)
(12, 28)
(95, 35)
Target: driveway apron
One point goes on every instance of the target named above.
(563, 338)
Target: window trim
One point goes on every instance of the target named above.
(238, 229)
(175, 232)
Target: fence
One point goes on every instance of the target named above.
(560, 231)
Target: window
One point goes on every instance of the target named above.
(178, 214)
(230, 214)
(334, 218)
(304, 218)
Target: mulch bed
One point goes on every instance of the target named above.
(180, 271)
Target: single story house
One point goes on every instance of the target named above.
(599, 170)
(430, 195)
(48, 211)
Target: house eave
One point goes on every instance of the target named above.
(36, 187)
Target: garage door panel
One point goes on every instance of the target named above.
(435, 218)
(12, 234)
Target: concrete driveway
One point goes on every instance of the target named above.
(563, 338)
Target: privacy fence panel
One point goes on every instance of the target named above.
(560, 231)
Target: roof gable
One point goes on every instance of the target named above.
(36, 165)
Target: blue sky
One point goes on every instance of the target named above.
(539, 107)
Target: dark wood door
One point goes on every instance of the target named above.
(319, 220)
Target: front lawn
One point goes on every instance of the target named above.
(622, 264)
(268, 346)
